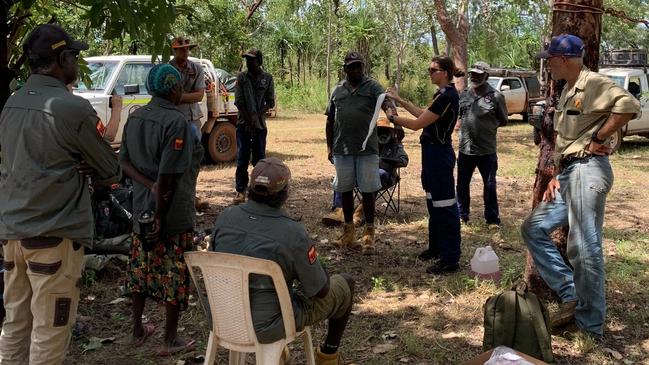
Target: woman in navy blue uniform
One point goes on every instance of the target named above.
(438, 162)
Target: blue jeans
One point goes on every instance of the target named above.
(437, 180)
(487, 165)
(580, 205)
(248, 145)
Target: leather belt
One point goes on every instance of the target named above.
(567, 161)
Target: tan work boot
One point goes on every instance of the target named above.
(367, 242)
(348, 239)
(239, 198)
(328, 359)
(564, 315)
(334, 218)
(359, 216)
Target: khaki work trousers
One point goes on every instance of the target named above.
(41, 296)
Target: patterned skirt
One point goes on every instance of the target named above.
(161, 273)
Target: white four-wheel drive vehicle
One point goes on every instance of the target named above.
(521, 89)
(635, 81)
(126, 76)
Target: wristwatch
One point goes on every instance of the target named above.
(594, 138)
(392, 118)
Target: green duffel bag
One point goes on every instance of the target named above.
(517, 319)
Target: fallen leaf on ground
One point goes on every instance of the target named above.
(614, 353)
(383, 348)
(450, 335)
(117, 301)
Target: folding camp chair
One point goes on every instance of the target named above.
(385, 198)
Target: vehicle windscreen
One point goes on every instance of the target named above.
(493, 81)
(619, 80)
(100, 74)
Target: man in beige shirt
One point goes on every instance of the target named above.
(591, 109)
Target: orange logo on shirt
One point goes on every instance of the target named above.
(312, 254)
(178, 144)
(101, 130)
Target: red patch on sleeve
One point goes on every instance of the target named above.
(178, 144)
(312, 254)
(101, 130)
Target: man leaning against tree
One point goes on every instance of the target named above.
(590, 110)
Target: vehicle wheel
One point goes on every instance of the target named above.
(616, 141)
(526, 117)
(222, 144)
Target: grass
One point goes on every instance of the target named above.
(437, 320)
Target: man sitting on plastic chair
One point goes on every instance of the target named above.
(392, 156)
(261, 229)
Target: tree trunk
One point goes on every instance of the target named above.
(457, 36)
(433, 32)
(588, 27)
(397, 78)
(328, 50)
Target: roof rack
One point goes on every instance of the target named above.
(504, 72)
(623, 57)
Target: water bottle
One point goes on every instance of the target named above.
(485, 264)
(146, 220)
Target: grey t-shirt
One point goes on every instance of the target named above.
(481, 116)
(45, 132)
(193, 79)
(353, 110)
(258, 230)
(158, 140)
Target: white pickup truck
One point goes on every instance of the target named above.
(521, 89)
(634, 79)
(126, 76)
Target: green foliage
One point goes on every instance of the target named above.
(619, 33)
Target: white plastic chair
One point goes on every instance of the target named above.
(226, 282)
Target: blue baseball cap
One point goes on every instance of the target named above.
(564, 45)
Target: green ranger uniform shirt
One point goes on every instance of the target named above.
(481, 116)
(352, 110)
(258, 230)
(158, 140)
(45, 132)
(193, 79)
(254, 96)
(584, 108)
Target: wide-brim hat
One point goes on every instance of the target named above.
(182, 42)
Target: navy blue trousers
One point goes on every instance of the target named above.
(248, 146)
(487, 165)
(437, 180)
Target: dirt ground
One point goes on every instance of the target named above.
(401, 314)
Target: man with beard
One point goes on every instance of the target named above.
(482, 111)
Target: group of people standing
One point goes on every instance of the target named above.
(354, 151)
(52, 144)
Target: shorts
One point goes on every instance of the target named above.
(334, 305)
(357, 170)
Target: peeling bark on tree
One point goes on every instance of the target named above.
(457, 35)
(588, 27)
